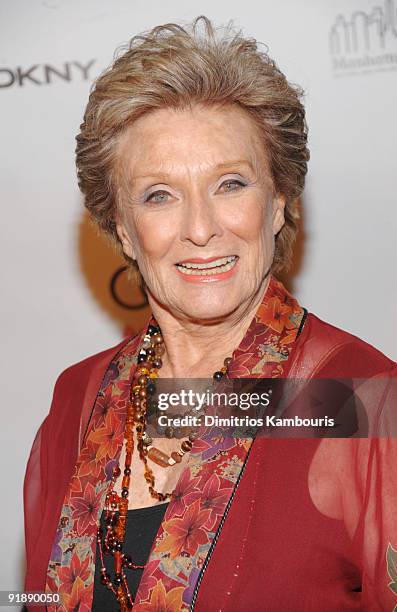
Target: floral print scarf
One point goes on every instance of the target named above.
(204, 492)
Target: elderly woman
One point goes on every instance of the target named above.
(191, 156)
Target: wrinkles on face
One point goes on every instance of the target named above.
(196, 184)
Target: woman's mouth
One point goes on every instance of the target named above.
(207, 270)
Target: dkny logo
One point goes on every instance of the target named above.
(41, 74)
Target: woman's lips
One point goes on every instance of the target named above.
(207, 270)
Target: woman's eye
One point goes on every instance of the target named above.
(157, 196)
(232, 185)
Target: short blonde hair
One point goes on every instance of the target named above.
(175, 66)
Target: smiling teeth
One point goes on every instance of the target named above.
(218, 266)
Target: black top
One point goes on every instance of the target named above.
(142, 527)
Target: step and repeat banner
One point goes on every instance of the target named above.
(65, 293)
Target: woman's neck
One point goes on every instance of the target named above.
(197, 349)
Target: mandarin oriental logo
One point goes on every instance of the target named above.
(365, 41)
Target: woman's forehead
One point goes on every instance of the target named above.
(204, 139)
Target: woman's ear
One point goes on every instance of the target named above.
(278, 212)
(125, 238)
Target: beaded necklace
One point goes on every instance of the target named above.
(116, 506)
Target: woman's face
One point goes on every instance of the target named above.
(198, 211)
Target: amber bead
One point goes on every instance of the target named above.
(158, 457)
(227, 362)
(176, 457)
(157, 363)
(157, 339)
(159, 350)
(142, 379)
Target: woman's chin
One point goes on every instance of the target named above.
(205, 310)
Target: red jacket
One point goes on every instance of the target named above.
(310, 526)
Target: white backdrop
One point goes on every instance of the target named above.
(56, 305)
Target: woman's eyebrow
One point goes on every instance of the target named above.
(221, 166)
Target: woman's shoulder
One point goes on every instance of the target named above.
(92, 362)
(327, 345)
(88, 372)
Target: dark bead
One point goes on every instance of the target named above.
(141, 358)
(152, 329)
(126, 560)
(110, 521)
(105, 578)
(116, 471)
(227, 362)
(118, 546)
(157, 363)
(127, 471)
(124, 492)
(218, 375)
(186, 446)
(117, 579)
(151, 352)
(151, 407)
(151, 388)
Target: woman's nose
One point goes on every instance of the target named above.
(200, 223)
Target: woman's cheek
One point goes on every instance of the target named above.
(154, 235)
